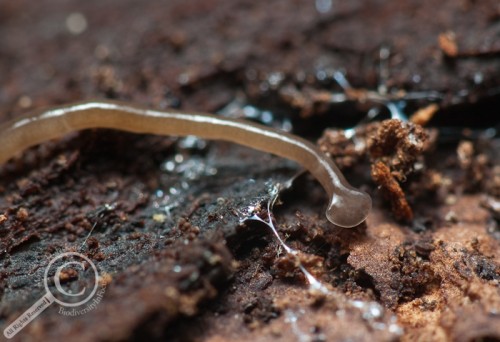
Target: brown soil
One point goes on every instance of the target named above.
(165, 215)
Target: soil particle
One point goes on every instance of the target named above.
(396, 151)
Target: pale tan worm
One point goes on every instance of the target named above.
(348, 206)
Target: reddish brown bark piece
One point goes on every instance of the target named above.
(447, 43)
(382, 176)
(394, 148)
(399, 145)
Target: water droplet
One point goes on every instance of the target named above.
(76, 23)
(275, 79)
(169, 166)
(267, 117)
(323, 6)
(192, 142)
(250, 111)
(478, 78)
(179, 158)
(321, 75)
(183, 79)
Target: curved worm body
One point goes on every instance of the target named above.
(348, 206)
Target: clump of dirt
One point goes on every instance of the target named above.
(412, 273)
(476, 168)
(396, 150)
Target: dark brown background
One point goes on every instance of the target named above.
(438, 275)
